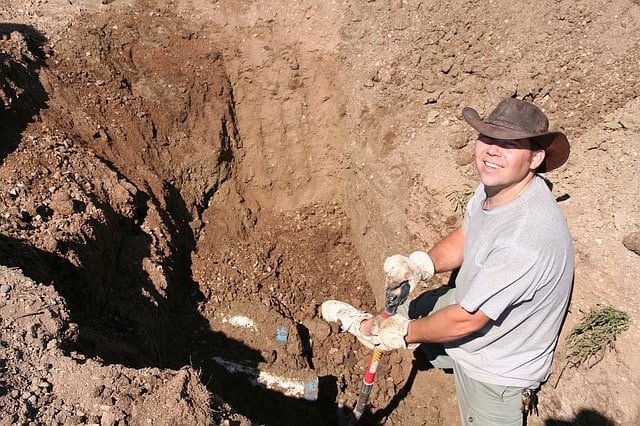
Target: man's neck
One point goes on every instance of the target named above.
(499, 197)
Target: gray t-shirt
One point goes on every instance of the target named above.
(518, 270)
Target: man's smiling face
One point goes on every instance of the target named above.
(504, 163)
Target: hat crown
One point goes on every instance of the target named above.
(520, 116)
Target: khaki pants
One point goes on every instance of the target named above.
(480, 404)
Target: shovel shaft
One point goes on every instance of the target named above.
(392, 301)
(369, 378)
(367, 382)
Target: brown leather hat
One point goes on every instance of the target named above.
(518, 119)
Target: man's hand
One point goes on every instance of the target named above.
(413, 269)
(389, 333)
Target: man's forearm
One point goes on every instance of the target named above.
(447, 254)
(446, 325)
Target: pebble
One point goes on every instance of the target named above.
(5, 288)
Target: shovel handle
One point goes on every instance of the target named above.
(369, 378)
(392, 301)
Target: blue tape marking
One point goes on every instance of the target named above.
(281, 334)
(311, 390)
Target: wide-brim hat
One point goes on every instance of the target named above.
(518, 119)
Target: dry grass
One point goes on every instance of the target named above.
(459, 198)
(589, 340)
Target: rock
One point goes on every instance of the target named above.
(632, 242)
(62, 203)
(319, 329)
(465, 156)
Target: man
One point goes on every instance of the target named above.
(500, 324)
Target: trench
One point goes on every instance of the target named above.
(205, 252)
(217, 214)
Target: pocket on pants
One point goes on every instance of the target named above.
(484, 404)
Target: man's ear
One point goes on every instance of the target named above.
(537, 158)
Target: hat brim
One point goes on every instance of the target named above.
(555, 144)
(556, 147)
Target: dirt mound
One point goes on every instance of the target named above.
(185, 183)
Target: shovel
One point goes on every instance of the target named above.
(392, 302)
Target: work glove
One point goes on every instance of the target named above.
(389, 333)
(413, 269)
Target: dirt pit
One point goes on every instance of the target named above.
(184, 183)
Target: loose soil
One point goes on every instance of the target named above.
(184, 182)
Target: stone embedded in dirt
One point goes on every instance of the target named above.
(632, 242)
(465, 156)
(319, 330)
(62, 203)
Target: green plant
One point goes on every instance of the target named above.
(459, 198)
(589, 340)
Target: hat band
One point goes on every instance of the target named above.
(511, 126)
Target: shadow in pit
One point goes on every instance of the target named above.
(122, 318)
(115, 343)
(119, 316)
(20, 88)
